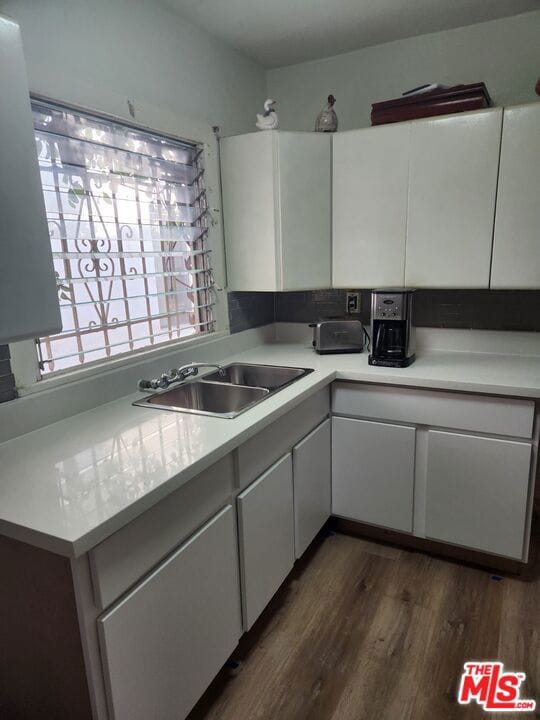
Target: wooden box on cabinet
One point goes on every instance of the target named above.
(277, 210)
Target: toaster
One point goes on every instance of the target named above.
(336, 335)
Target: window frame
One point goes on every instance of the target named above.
(24, 357)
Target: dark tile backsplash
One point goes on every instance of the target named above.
(7, 381)
(250, 309)
(469, 309)
(310, 305)
(476, 309)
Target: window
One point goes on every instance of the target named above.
(126, 210)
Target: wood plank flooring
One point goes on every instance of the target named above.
(365, 631)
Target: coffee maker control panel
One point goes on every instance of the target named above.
(389, 307)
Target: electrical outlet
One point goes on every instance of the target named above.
(352, 303)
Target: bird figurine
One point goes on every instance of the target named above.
(327, 119)
(268, 120)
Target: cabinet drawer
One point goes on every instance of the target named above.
(258, 453)
(478, 413)
(165, 641)
(120, 560)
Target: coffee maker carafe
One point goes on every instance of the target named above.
(392, 336)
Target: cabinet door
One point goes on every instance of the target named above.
(248, 178)
(277, 210)
(516, 244)
(312, 475)
(164, 642)
(266, 530)
(370, 177)
(477, 490)
(28, 294)
(453, 182)
(373, 472)
(304, 210)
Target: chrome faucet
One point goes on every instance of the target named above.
(176, 375)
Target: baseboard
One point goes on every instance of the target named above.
(432, 547)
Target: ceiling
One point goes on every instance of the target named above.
(282, 32)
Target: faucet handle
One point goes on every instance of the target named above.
(189, 371)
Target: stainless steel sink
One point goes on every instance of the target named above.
(206, 398)
(271, 377)
(227, 392)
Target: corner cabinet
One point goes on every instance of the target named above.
(28, 296)
(516, 243)
(451, 467)
(414, 202)
(277, 210)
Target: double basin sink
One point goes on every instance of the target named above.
(227, 392)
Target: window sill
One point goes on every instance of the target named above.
(126, 362)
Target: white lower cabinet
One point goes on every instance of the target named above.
(312, 475)
(477, 492)
(373, 472)
(164, 642)
(266, 535)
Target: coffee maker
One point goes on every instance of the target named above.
(392, 336)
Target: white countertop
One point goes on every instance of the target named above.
(68, 486)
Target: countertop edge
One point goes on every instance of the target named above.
(75, 547)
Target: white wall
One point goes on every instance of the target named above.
(505, 54)
(97, 53)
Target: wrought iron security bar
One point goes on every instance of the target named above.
(127, 220)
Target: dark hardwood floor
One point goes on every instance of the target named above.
(365, 631)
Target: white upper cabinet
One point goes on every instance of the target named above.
(516, 244)
(452, 189)
(277, 210)
(28, 296)
(370, 179)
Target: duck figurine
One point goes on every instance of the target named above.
(327, 119)
(268, 120)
